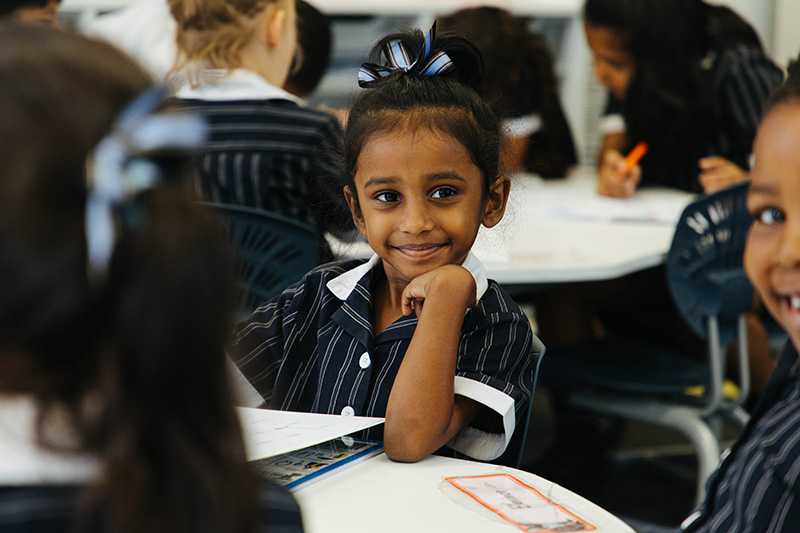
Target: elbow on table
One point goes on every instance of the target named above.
(404, 446)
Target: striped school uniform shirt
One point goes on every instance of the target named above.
(41, 491)
(265, 150)
(313, 349)
(757, 487)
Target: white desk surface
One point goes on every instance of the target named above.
(379, 495)
(561, 231)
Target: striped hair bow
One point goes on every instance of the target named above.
(397, 59)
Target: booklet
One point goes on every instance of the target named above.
(303, 467)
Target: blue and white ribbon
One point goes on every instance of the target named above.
(118, 169)
(398, 59)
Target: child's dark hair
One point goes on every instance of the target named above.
(121, 360)
(315, 42)
(519, 79)
(671, 98)
(9, 6)
(447, 103)
(789, 91)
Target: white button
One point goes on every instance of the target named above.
(365, 361)
(348, 411)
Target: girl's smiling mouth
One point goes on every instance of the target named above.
(421, 250)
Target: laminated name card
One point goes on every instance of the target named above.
(519, 504)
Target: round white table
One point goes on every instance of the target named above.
(380, 495)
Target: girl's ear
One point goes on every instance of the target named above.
(274, 24)
(496, 201)
(355, 210)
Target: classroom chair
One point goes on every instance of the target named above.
(634, 380)
(272, 251)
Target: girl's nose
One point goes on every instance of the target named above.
(416, 217)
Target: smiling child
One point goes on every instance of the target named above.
(416, 333)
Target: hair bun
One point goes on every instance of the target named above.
(413, 53)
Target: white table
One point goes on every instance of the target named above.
(379, 495)
(562, 231)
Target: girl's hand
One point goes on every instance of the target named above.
(453, 282)
(717, 173)
(615, 178)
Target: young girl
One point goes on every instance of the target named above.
(417, 333)
(264, 150)
(520, 84)
(109, 301)
(688, 78)
(756, 487)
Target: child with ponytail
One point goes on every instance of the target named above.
(115, 304)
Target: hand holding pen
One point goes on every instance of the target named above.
(620, 176)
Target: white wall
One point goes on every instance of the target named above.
(786, 43)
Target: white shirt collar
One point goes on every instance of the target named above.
(222, 85)
(24, 462)
(342, 285)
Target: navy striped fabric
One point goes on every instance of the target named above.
(757, 487)
(303, 350)
(272, 155)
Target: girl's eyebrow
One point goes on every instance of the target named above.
(380, 181)
(763, 188)
(448, 175)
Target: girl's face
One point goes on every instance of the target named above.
(772, 256)
(614, 65)
(420, 200)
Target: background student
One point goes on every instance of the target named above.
(520, 84)
(315, 47)
(103, 349)
(416, 333)
(264, 150)
(688, 78)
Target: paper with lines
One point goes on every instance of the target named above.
(268, 433)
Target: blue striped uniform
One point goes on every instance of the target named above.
(313, 349)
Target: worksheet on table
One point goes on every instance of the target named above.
(268, 433)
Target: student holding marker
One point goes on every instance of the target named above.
(687, 78)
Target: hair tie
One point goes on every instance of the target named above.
(398, 59)
(119, 169)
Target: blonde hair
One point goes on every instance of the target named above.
(214, 32)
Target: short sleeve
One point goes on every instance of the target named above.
(258, 347)
(495, 367)
(746, 80)
(612, 120)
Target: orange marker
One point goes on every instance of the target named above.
(636, 155)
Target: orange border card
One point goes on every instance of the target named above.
(520, 504)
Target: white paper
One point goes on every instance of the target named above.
(519, 505)
(268, 433)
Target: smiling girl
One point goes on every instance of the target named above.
(757, 486)
(416, 333)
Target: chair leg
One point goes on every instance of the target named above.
(686, 420)
(705, 442)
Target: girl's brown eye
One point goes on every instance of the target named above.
(387, 196)
(443, 192)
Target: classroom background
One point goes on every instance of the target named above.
(650, 469)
